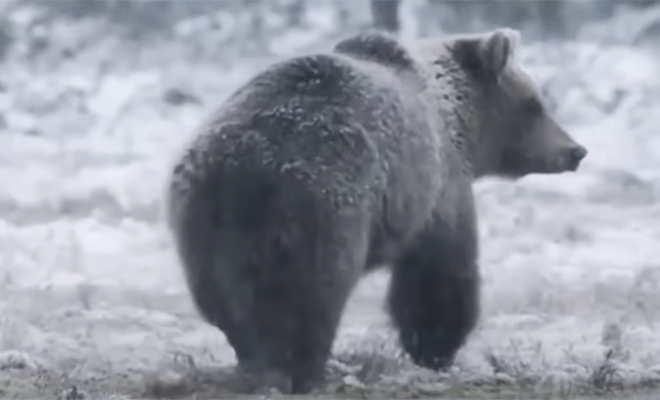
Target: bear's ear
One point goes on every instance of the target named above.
(498, 48)
(486, 56)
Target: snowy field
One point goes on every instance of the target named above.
(92, 302)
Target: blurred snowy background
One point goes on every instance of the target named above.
(98, 96)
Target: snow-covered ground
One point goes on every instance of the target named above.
(91, 296)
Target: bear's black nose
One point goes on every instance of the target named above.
(578, 153)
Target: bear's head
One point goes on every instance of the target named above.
(502, 122)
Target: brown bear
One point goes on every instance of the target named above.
(323, 167)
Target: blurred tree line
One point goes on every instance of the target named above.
(143, 19)
(540, 19)
(549, 17)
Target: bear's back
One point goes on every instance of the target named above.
(342, 127)
(350, 129)
(337, 113)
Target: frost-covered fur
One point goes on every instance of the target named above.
(325, 166)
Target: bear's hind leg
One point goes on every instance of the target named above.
(222, 267)
(220, 256)
(311, 270)
(433, 297)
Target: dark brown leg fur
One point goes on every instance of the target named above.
(434, 294)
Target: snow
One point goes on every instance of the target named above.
(92, 297)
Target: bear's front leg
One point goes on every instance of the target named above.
(433, 297)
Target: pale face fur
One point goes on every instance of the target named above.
(494, 108)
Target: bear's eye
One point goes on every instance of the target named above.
(533, 106)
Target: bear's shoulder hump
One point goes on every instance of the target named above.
(378, 47)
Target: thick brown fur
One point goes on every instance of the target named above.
(323, 167)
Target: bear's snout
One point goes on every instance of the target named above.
(562, 151)
(567, 157)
